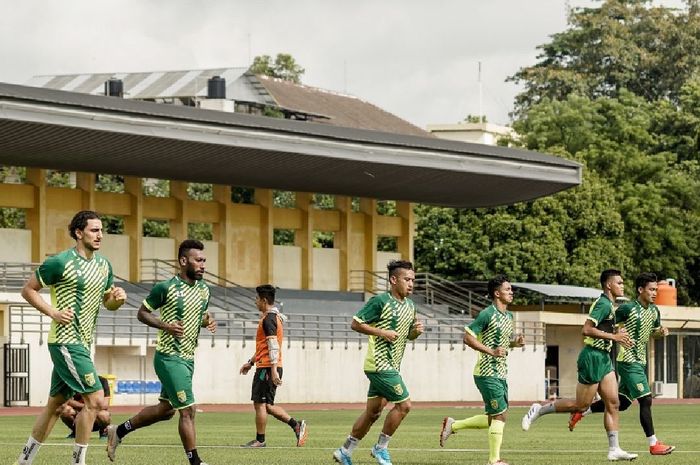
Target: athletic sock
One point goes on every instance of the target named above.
(292, 423)
(495, 440)
(124, 429)
(29, 452)
(193, 457)
(547, 409)
(350, 444)
(475, 422)
(652, 440)
(260, 437)
(613, 442)
(383, 441)
(79, 453)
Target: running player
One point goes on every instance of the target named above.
(182, 302)
(490, 334)
(595, 370)
(642, 320)
(389, 320)
(268, 374)
(80, 280)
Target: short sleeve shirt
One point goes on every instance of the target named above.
(602, 314)
(385, 312)
(177, 300)
(640, 323)
(79, 284)
(493, 328)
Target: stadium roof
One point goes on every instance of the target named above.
(77, 132)
(304, 102)
(561, 291)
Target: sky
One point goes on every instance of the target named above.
(418, 59)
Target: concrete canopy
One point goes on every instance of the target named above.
(76, 132)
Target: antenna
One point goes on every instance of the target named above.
(345, 76)
(481, 100)
(250, 62)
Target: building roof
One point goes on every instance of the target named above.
(302, 101)
(336, 109)
(559, 291)
(77, 132)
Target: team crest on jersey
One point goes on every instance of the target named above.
(181, 396)
(494, 404)
(203, 293)
(398, 389)
(640, 387)
(104, 271)
(90, 379)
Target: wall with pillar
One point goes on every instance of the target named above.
(242, 250)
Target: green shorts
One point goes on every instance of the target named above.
(494, 391)
(633, 380)
(73, 371)
(387, 384)
(593, 365)
(175, 375)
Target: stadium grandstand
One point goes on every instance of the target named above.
(208, 127)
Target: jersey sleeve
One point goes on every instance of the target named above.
(269, 324)
(623, 312)
(110, 277)
(371, 312)
(51, 271)
(600, 311)
(156, 298)
(479, 324)
(657, 321)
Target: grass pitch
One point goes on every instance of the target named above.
(548, 442)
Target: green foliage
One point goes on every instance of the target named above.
(284, 67)
(324, 201)
(387, 208)
(112, 224)
(242, 195)
(200, 231)
(475, 119)
(60, 179)
(14, 218)
(621, 44)
(284, 199)
(156, 187)
(283, 237)
(156, 228)
(200, 191)
(387, 244)
(638, 208)
(110, 183)
(323, 239)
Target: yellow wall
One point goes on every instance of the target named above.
(242, 250)
(570, 343)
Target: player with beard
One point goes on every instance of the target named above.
(182, 302)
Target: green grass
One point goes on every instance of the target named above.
(547, 443)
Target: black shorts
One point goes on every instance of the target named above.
(263, 388)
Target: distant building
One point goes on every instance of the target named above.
(478, 133)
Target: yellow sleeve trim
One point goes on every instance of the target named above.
(148, 307)
(469, 331)
(593, 320)
(358, 320)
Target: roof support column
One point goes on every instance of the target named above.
(36, 216)
(223, 230)
(263, 197)
(86, 183)
(178, 226)
(133, 225)
(304, 238)
(408, 226)
(342, 240)
(368, 207)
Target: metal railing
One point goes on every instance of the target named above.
(430, 290)
(225, 294)
(121, 327)
(14, 275)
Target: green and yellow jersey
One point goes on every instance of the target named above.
(640, 323)
(177, 300)
(79, 284)
(602, 314)
(493, 328)
(385, 312)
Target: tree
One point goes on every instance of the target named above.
(623, 44)
(284, 67)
